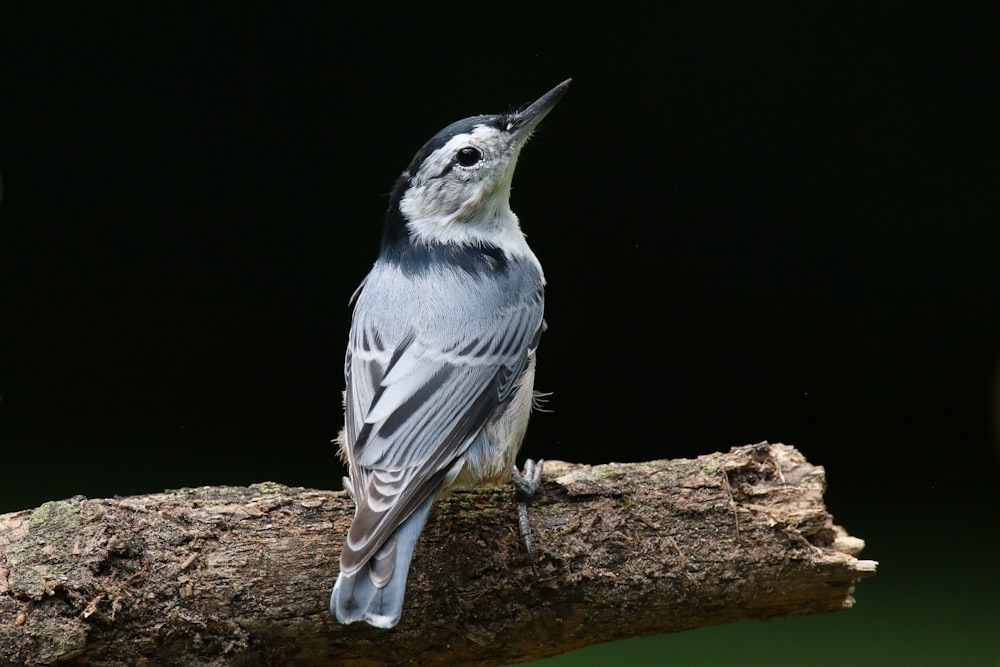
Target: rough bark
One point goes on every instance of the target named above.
(241, 576)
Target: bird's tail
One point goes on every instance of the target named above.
(375, 592)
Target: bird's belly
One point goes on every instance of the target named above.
(491, 457)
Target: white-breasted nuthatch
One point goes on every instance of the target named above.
(440, 363)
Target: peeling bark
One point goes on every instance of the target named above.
(241, 576)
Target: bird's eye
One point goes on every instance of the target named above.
(468, 156)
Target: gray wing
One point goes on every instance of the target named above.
(417, 396)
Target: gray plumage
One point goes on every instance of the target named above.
(440, 361)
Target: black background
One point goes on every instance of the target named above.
(755, 225)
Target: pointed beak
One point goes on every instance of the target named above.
(523, 123)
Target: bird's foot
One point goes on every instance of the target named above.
(349, 487)
(526, 487)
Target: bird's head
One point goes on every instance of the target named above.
(457, 187)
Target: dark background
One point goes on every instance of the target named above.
(755, 225)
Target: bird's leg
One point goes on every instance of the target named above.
(525, 488)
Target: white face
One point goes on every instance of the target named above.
(461, 192)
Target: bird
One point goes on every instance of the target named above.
(440, 362)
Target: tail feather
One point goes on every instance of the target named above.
(375, 592)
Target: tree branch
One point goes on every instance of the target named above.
(241, 576)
